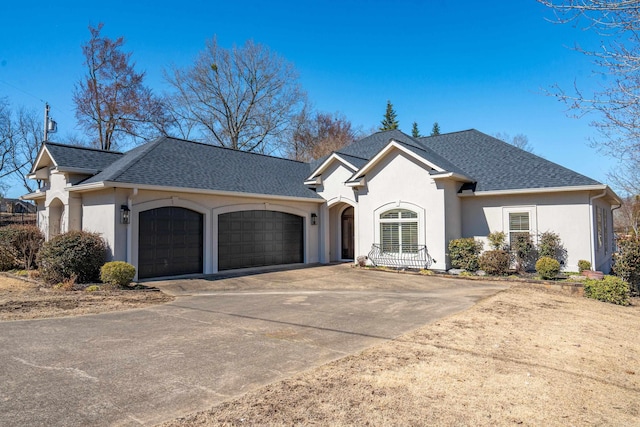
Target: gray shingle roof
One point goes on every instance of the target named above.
(370, 146)
(81, 157)
(496, 165)
(170, 162)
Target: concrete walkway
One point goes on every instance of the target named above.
(218, 339)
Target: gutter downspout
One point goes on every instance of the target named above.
(593, 231)
(133, 194)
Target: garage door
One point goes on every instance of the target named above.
(170, 242)
(259, 238)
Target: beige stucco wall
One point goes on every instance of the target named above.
(126, 240)
(99, 216)
(338, 197)
(399, 181)
(567, 214)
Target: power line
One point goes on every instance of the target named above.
(23, 91)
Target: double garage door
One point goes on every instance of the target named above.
(171, 241)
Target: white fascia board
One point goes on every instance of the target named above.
(391, 145)
(452, 175)
(537, 190)
(84, 171)
(34, 196)
(326, 164)
(110, 184)
(356, 183)
(43, 148)
(315, 181)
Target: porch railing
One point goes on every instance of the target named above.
(401, 256)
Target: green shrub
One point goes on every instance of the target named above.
(523, 251)
(626, 262)
(495, 263)
(550, 245)
(76, 253)
(547, 267)
(583, 265)
(463, 253)
(117, 273)
(92, 288)
(497, 240)
(610, 289)
(22, 242)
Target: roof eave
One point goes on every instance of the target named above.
(81, 188)
(326, 163)
(34, 196)
(593, 187)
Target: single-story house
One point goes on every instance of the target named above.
(16, 206)
(174, 207)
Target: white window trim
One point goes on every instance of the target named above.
(533, 220)
(405, 206)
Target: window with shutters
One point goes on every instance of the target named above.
(519, 224)
(399, 231)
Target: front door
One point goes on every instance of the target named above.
(347, 234)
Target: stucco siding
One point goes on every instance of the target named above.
(99, 216)
(210, 206)
(566, 214)
(398, 181)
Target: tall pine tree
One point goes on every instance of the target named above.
(435, 130)
(389, 122)
(415, 132)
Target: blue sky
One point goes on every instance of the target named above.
(465, 64)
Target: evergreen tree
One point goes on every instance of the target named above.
(435, 130)
(389, 122)
(414, 130)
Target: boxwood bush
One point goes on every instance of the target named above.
(495, 263)
(547, 267)
(610, 289)
(117, 273)
(463, 253)
(583, 265)
(78, 254)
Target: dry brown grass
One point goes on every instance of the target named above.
(23, 299)
(527, 356)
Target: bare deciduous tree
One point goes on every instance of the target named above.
(112, 102)
(20, 136)
(627, 218)
(244, 98)
(617, 104)
(318, 134)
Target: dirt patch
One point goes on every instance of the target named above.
(526, 356)
(22, 299)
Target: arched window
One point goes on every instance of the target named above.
(399, 231)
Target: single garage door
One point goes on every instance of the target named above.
(170, 242)
(259, 238)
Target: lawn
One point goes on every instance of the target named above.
(526, 356)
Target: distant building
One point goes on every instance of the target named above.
(16, 206)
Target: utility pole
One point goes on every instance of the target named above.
(50, 126)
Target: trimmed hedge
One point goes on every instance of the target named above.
(118, 273)
(495, 263)
(78, 254)
(463, 253)
(610, 289)
(547, 267)
(583, 265)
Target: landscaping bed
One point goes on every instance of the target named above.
(22, 298)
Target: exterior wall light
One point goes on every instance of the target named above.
(125, 214)
(314, 219)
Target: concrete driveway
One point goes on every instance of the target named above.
(218, 339)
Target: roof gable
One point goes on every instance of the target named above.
(67, 157)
